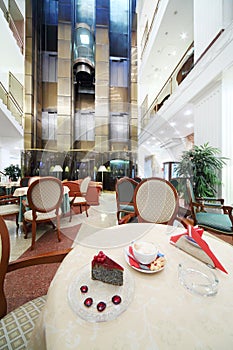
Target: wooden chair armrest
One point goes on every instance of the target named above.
(200, 206)
(126, 218)
(47, 258)
(8, 199)
(25, 204)
(185, 221)
(211, 199)
(227, 209)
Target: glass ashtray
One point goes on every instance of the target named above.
(198, 280)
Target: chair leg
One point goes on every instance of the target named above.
(33, 235)
(86, 209)
(25, 229)
(70, 214)
(58, 229)
(17, 220)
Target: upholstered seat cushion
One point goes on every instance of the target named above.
(127, 208)
(219, 222)
(16, 327)
(9, 209)
(41, 216)
(78, 200)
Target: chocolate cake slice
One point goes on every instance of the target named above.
(106, 270)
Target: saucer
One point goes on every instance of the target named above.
(146, 269)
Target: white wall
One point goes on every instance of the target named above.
(210, 17)
(207, 23)
(227, 131)
(207, 117)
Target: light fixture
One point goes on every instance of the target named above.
(84, 39)
(57, 169)
(102, 169)
(183, 36)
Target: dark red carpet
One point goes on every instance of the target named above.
(28, 283)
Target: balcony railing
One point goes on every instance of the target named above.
(15, 20)
(14, 98)
(182, 69)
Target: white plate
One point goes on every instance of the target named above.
(192, 241)
(99, 291)
(138, 269)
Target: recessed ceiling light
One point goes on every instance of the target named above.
(188, 112)
(172, 123)
(183, 36)
(189, 125)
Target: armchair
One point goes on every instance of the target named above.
(28, 313)
(9, 206)
(125, 188)
(220, 223)
(156, 201)
(44, 198)
(75, 197)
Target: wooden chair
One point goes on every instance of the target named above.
(219, 221)
(9, 205)
(75, 196)
(125, 188)
(44, 199)
(32, 179)
(84, 185)
(156, 201)
(24, 181)
(21, 321)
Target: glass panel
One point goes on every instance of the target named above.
(119, 76)
(119, 23)
(51, 12)
(119, 127)
(84, 126)
(49, 126)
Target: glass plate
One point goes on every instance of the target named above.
(99, 291)
(198, 279)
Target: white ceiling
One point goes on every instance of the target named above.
(164, 54)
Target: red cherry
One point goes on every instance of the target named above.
(88, 302)
(116, 299)
(84, 289)
(101, 306)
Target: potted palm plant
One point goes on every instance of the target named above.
(202, 165)
(13, 171)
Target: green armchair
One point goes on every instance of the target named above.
(219, 222)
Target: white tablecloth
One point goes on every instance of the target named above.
(162, 313)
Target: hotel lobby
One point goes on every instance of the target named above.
(107, 90)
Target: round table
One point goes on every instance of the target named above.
(161, 313)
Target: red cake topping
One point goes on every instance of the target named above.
(105, 261)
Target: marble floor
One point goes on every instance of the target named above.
(101, 216)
